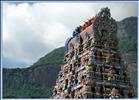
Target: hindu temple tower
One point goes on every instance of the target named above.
(93, 67)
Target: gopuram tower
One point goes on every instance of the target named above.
(93, 67)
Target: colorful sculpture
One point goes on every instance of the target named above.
(92, 66)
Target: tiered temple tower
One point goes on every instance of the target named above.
(93, 67)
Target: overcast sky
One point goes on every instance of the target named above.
(30, 31)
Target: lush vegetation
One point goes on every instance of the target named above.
(36, 81)
(128, 35)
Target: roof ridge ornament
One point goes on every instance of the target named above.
(104, 21)
(105, 12)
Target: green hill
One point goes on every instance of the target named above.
(127, 33)
(38, 80)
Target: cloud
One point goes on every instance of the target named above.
(31, 31)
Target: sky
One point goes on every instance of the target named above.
(31, 30)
